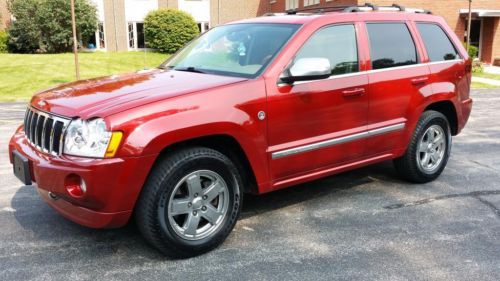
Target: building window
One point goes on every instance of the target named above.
(310, 2)
(100, 36)
(131, 35)
(136, 37)
(97, 41)
(203, 26)
(292, 4)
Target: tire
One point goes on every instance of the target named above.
(190, 202)
(413, 165)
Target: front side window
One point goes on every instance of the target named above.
(437, 44)
(337, 44)
(241, 50)
(391, 45)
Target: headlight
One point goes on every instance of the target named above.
(90, 139)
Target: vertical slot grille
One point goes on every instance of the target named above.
(45, 131)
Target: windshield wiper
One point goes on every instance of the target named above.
(190, 69)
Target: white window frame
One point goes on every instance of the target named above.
(134, 34)
(291, 4)
(311, 2)
(98, 37)
(202, 24)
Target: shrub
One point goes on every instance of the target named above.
(168, 30)
(3, 41)
(477, 66)
(44, 26)
(473, 51)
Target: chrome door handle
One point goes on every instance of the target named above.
(419, 81)
(354, 92)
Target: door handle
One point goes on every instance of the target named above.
(419, 81)
(354, 92)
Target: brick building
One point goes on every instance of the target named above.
(121, 21)
(485, 31)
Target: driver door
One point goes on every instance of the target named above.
(318, 125)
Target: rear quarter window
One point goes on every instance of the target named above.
(391, 45)
(437, 43)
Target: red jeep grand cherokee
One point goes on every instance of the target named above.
(251, 106)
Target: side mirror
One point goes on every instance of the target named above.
(308, 69)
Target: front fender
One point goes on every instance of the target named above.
(151, 128)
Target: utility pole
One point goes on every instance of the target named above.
(469, 22)
(75, 42)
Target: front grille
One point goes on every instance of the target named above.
(45, 131)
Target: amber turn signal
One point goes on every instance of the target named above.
(113, 145)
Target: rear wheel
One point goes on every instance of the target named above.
(190, 203)
(429, 149)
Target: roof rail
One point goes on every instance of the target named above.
(367, 7)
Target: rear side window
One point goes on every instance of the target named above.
(336, 43)
(437, 44)
(391, 45)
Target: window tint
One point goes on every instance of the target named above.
(391, 45)
(337, 44)
(437, 44)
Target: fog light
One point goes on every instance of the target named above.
(75, 185)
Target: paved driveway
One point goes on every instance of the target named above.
(362, 225)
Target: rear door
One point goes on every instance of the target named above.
(396, 78)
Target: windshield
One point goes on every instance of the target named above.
(242, 50)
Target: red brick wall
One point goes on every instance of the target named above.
(496, 41)
(280, 5)
(223, 11)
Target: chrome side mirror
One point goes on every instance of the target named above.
(307, 69)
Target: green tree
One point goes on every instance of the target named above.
(168, 30)
(44, 26)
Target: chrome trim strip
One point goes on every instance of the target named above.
(388, 129)
(336, 141)
(42, 144)
(51, 141)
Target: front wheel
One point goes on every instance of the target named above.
(190, 203)
(428, 151)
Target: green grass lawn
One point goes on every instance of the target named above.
(479, 85)
(23, 75)
(487, 75)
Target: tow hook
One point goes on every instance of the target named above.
(53, 196)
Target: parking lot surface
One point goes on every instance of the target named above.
(366, 224)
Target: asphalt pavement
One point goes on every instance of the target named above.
(365, 224)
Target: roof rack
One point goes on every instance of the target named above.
(367, 7)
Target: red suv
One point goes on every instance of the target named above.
(248, 107)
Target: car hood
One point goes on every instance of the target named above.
(105, 96)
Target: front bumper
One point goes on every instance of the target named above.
(113, 185)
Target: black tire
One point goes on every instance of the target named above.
(152, 215)
(408, 165)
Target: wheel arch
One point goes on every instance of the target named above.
(447, 108)
(227, 145)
